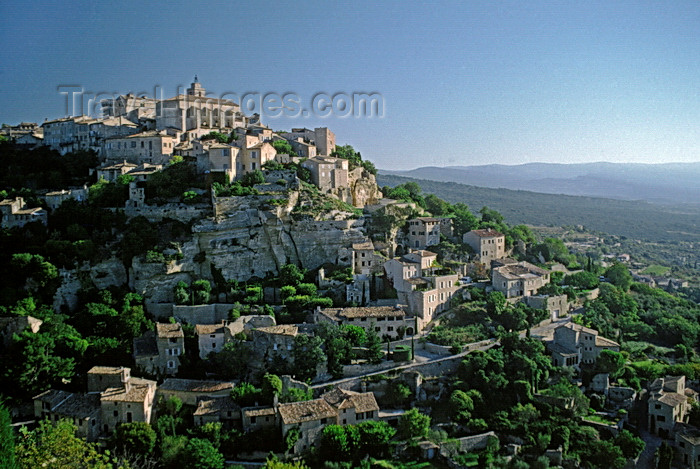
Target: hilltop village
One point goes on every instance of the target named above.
(187, 287)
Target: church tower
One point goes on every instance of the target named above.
(196, 89)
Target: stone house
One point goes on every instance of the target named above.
(210, 338)
(302, 148)
(216, 158)
(158, 351)
(422, 287)
(669, 402)
(424, 232)
(218, 409)
(556, 305)
(488, 244)
(99, 378)
(146, 147)
(54, 199)
(83, 410)
(111, 172)
(16, 214)
(274, 341)
(328, 173)
(258, 418)
(686, 445)
(131, 402)
(213, 337)
(387, 321)
(190, 391)
(352, 407)
(84, 133)
(521, 279)
(574, 345)
(309, 418)
(321, 137)
(364, 260)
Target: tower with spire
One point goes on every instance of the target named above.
(196, 89)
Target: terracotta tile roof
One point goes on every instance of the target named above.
(284, 329)
(134, 392)
(487, 233)
(364, 312)
(107, 370)
(672, 399)
(305, 411)
(344, 399)
(216, 405)
(603, 342)
(258, 411)
(71, 404)
(579, 328)
(207, 329)
(194, 385)
(366, 246)
(522, 270)
(167, 330)
(428, 219)
(688, 433)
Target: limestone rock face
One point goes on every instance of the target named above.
(67, 293)
(252, 243)
(364, 189)
(109, 273)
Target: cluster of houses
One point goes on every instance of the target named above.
(114, 397)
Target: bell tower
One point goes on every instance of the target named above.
(196, 89)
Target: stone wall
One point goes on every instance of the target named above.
(195, 314)
(180, 212)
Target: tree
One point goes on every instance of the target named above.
(664, 456)
(611, 362)
(56, 446)
(619, 275)
(375, 352)
(271, 386)
(246, 395)
(307, 355)
(201, 290)
(461, 405)
(630, 445)
(290, 274)
(253, 178)
(7, 439)
(274, 463)
(202, 454)
(374, 437)
(413, 424)
(283, 146)
(135, 438)
(338, 443)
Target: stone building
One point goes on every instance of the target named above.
(131, 402)
(488, 244)
(364, 260)
(54, 199)
(686, 446)
(425, 289)
(327, 173)
(423, 232)
(309, 418)
(190, 391)
(352, 407)
(321, 137)
(218, 410)
(574, 345)
(274, 341)
(387, 321)
(669, 402)
(15, 213)
(152, 147)
(71, 134)
(521, 279)
(556, 305)
(82, 410)
(158, 351)
(194, 114)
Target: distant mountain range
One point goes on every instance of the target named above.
(670, 183)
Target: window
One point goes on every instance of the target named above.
(116, 413)
(171, 364)
(253, 420)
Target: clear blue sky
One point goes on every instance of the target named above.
(473, 83)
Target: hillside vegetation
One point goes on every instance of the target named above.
(639, 220)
